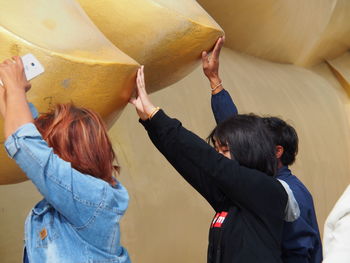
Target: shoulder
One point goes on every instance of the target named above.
(341, 208)
(117, 198)
(337, 230)
(300, 191)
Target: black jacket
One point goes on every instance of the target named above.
(255, 202)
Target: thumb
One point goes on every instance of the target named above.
(132, 101)
(204, 57)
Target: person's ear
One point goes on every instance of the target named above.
(279, 151)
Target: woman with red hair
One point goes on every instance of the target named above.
(68, 156)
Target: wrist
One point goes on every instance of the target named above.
(214, 81)
(15, 97)
(149, 109)
(217, 89)
(15, 92)
(153, 112)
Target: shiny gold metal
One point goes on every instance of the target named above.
(341, 68)
(81, 64)
(303, 33)
(316, 101)
(167, 36)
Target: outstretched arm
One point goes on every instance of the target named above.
(146, 110)
(212, 174)
(79, 197)
(221, 102)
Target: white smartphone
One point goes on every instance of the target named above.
(32, 67)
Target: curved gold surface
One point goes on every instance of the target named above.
(303, 33)
(81, 64)
(341, 68)
(167, 220)
(167, 36)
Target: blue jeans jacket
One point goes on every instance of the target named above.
(78, 219)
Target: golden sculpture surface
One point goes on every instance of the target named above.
(283, 57)
(301, 33)
(83, 66)
(167, 36)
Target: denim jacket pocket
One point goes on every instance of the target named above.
(47, 232)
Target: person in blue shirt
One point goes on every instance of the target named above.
(301, 240)
(68, 156)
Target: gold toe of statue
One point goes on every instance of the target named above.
(303, 33)
(83, 66)
(167, 36)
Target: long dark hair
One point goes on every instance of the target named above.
(249, 142)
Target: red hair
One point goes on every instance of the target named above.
(79, 136)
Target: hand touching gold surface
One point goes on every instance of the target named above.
(142, 102)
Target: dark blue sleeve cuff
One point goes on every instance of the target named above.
(223, 106)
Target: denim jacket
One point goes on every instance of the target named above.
(78, 219)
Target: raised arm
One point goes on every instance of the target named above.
(223, 106)
(191, 155)
(17, 112)
(146, 110)
(73, 194)
(221, 102)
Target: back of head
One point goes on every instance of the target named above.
(284, 135)
(249, 142)
(79, 136)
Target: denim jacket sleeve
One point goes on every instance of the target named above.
(75, 195)
(33, 110)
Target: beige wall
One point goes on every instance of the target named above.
(167, 220)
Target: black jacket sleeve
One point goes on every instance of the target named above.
(210, 173)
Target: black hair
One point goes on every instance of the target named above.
(248, 140)
(284, 135)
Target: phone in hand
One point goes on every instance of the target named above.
(32, 67)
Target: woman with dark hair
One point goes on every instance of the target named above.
(243, 138)
(301, 240)
(237, 179)
(68, 156)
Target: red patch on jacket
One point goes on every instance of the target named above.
(219, 219)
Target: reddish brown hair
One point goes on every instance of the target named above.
(79, 136)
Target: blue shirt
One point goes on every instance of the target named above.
(78, 219)
(301, 240)
(223, 106)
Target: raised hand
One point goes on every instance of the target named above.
(12, 74)
(15, 85)
(142, 103)
(210, 63)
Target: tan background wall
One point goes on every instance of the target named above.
(167, 220)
